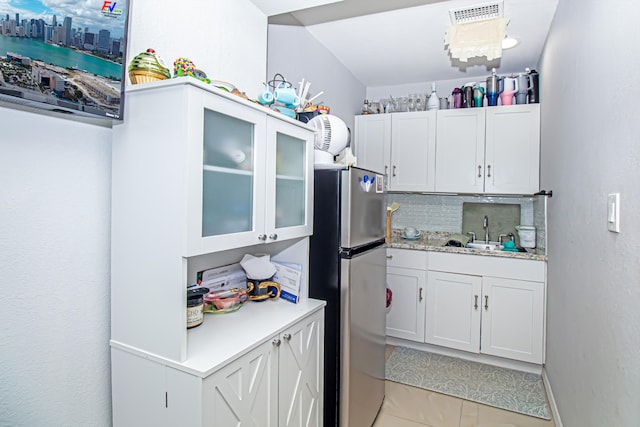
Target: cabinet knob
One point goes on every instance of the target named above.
(488, 171)
(277, 342)
(262, 237)
(479, 171)
(273, 236)
(287, 337)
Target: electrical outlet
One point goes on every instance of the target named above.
(613, 212)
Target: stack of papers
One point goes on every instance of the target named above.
(288, 276)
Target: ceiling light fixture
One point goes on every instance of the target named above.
(510, 42)
(477, 31)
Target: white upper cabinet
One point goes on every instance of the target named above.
(289, 192)
(460, 150)
(222, 172)
(402, 145)
(512, 149)
(493, 150)
(373, 142)
(413, 150)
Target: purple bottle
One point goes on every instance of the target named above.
(457, 97)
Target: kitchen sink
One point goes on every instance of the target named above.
(491, 246)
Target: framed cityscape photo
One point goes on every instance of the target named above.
(64, 56)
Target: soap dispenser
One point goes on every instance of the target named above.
(434, 102)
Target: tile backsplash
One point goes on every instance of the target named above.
(431, 212)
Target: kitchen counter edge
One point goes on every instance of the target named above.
(437, 246)
(222, 338)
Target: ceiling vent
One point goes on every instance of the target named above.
(480, 12)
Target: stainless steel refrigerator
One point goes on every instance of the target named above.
(348, 270)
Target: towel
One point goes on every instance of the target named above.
(459, 240)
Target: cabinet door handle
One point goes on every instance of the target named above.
(287, 337)
(421, 295)
(488, 171)
(273, 236)
(262, 237)
(394, 170)
(479, 171)
(277, 342)
(389, 256)
(386, 169)
(486, 302)
(475, 304)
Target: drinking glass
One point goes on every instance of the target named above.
(419, 102)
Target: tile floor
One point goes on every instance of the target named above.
(406, 406)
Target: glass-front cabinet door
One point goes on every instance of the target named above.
(227, 189)
(289, 180)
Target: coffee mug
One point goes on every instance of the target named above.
(260, 290)
(411, 232)
(286, 96)
(265, 97)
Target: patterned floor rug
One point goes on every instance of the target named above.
(503, 388)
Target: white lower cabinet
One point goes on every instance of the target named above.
(407, 279)
(512, 319)
(479, 304)
(453, 318)
(245, 392)
(469, 308)
(278, 383)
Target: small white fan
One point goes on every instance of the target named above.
(332, 137)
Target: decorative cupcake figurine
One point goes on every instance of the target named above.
(148, 67)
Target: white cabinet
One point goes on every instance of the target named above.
(453, 310)
(244, 391)
(218, 171)
(460, 150)
(195, 171)
(512, 318)
(492, 150)
(373, 142)
(486, 305)
(406, 277)
(512, 149)
(276, 383)
(403, 145)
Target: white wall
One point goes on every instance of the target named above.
(591, 147)
(296, 54)
(55, 181)
(55, 202)
(226, 39)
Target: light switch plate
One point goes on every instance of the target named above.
(613, 212)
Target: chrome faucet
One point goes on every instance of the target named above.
(485, 225)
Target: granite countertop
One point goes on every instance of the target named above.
(434, 241)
